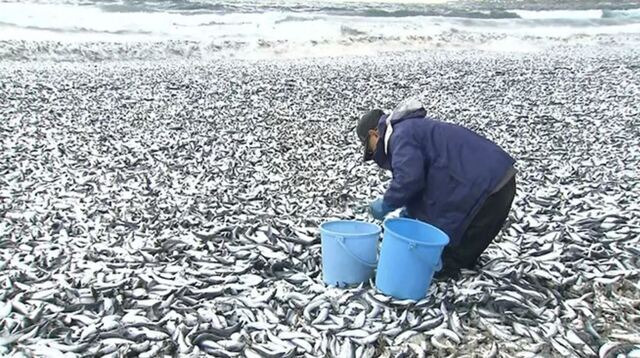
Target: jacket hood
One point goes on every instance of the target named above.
(409, 108)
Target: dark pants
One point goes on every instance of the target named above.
(484, 227)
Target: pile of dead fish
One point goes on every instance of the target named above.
(156, 208)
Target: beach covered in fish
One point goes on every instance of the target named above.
(172, 207)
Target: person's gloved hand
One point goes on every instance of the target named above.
(379, 209)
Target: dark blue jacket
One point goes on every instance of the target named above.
(442, 173)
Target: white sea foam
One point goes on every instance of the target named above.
(316, 30)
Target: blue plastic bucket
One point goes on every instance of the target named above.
(409, 257)
(349, 251)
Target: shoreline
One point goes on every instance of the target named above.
(37, 51)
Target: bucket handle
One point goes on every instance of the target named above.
(341, 240)
(438, 267)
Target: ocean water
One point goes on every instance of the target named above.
(74, 29)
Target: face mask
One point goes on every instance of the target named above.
(380, 158)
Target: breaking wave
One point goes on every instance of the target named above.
(349, 31)
(78, 30)
(621, 14)
(137, 28)
(292, 18)
(493, 14)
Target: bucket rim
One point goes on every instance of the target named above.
(384, 224)
(377, 231)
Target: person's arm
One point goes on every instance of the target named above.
(408, 168)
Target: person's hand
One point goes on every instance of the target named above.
(379, 209)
